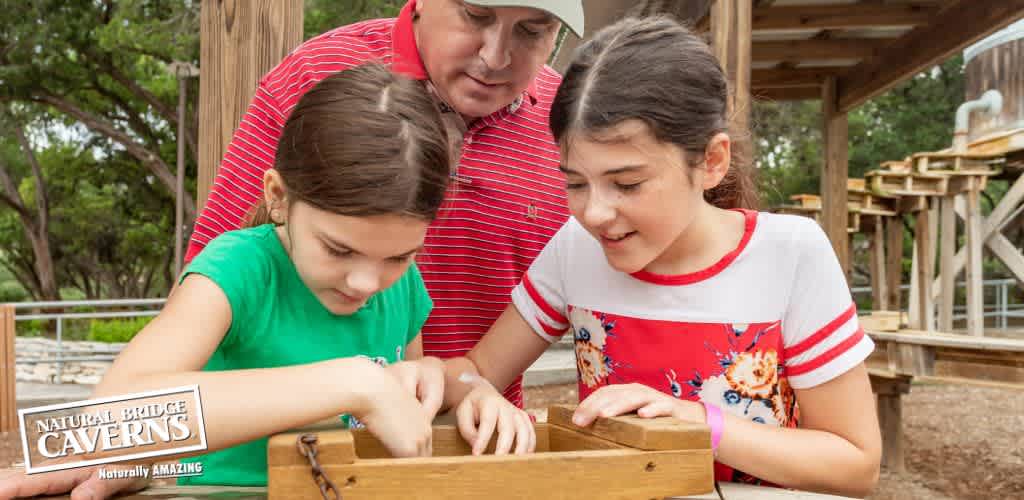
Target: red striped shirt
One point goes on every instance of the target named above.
(508, 203)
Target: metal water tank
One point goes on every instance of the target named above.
(997, 62)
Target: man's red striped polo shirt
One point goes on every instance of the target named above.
(507, 202)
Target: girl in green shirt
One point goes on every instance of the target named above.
(314, 311)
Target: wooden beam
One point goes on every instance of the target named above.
(792, 77)
(859, 15)
(946, 272)
(239, 42)
(731, 43)
(894, 260)
(835, 173)
(879, 283)
(787, 93)
(973, 242)
(960, 24)
(925, 271)
(8, 371)
(798, 50)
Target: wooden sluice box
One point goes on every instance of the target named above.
(620, 457)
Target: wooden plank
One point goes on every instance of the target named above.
(890, 421)
(894, 260)
(793, 77)
(808, 93)
(933, 247)
(563, 439)
(925, 271)
(973, 275)
(1009, 254)
(939, 339)
(636, 432)
(815, 49)
(946, 271)
(731, 43)
(841, 16)
(8, 371)
(835, 174)
(626, 474)
(334, 446)
(239, 43)
(882, 321)
(879, 284)
(959, 24)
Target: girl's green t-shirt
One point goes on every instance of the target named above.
(277, 321)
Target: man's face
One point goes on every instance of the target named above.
(481, 58)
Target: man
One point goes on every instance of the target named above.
(485, 61)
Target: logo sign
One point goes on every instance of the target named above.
(115, 429)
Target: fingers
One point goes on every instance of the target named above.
(526, 437)
(507, 430)
(431, 389)
(611, 401)
(50, 483)
(488, 421)
(465, 417)
(660, 408)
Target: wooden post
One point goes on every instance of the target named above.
(925, 271)
(8, 401)
(933, 251)
(890, 418)
(834, 175)
(879, 280)
(731, 32)
(975, 298)
(240, 41)
(894, 260)
(947, 275)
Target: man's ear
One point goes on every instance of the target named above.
(717, 158)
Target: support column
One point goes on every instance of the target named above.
(835, 173)
(947, 292)
(240, 41)
(731, 32)
(975, 297)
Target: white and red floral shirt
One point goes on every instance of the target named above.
(772, 315)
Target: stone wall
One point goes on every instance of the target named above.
(73, 372)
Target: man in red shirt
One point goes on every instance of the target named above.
(485, 61)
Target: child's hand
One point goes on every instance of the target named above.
(483, 409)
(396, 417)
(82, 483)
(615, 400)
(424, 379)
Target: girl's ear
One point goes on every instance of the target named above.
(275, 196)
(717, 156)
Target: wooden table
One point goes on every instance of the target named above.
(10, 453)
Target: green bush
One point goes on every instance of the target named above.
(11, 291)
(118, 330)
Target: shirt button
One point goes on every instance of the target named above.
(468, 140)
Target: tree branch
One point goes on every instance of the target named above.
(153, 162)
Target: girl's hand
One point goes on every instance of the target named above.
(395, 416)
(483, 409)
(615, 400)
(424, 379)
(83, 484)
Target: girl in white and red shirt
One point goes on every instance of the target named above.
(682, 300)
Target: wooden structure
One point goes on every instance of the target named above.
(239, 42)
(8, 403)
(621, 457)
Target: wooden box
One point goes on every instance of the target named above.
(620, 457)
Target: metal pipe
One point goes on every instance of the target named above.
(991, 102)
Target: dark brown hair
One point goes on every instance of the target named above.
(657, 71)
(361, 142)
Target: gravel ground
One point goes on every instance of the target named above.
(960, 442)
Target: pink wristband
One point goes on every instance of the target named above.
(716, 422)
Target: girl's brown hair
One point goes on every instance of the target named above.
(657, 71)
(361, 142)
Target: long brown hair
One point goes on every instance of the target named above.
(361, 142)
(657, 71)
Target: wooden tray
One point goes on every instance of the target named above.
(620, 457)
